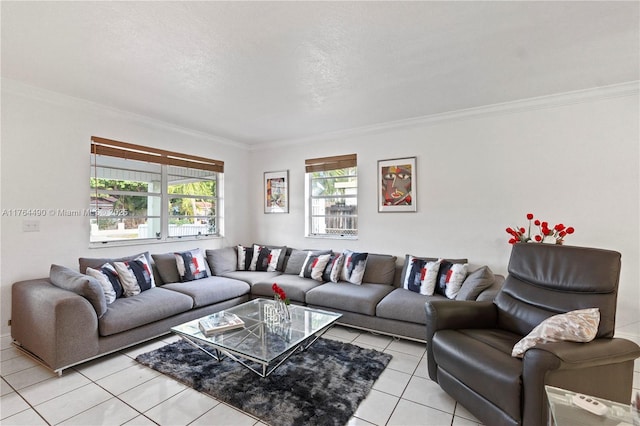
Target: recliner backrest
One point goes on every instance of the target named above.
(546, 280)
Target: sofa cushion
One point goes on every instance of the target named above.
(490, 349)
(294, 286)
(477, 281)
(344, 296)
(210, 290)
(222, 260)
(404, 305)
(252, 277)
(381, 269)
(80, 284)
(152, 305)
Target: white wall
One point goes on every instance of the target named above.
(572, 158)
(45, 165)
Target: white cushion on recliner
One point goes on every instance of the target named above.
(575, 326)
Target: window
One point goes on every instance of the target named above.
(139, 193)
(332, 194)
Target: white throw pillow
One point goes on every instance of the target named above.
(102, 276)
(314, 265)
(575, 326)
(135, 275)
(454, 279)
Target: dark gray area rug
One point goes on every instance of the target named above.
(321, 386)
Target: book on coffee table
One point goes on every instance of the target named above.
(214, 324)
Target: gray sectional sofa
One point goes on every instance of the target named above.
(63, 320)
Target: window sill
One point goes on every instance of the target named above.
(150, 241)
(333, 237)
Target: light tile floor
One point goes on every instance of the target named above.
(115, 389)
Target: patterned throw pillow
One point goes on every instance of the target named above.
(191, 265)
(108, 279)
(450, 278)
(575, 326)
(421, 275)
(353, 267)
(264, 259)
(135, 275)
(245, 256)
(314, 266)
(333, 269)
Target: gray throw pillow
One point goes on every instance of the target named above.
(475, 283)
(167, 267)
(82, 285)
(381, 269)
(222, 260)
(295, 262)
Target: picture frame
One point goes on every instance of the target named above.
(276, 192)
(397, 185)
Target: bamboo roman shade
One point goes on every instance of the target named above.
(111, 148)
(331, 163)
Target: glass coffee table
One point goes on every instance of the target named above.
(263, 344)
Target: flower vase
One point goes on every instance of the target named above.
(283, 311)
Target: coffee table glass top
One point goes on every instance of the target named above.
(260, 340)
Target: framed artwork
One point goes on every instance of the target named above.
(276, 192)
(397, 185)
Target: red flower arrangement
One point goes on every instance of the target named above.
(557, 233)
(279, 294)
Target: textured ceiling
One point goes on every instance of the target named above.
(256, 72)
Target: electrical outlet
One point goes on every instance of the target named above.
(30, 226)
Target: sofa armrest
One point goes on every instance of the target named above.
(57, 326)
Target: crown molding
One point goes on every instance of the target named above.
(56, 98)
(631, 88)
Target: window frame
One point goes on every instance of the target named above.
(328, 164)
(191, 166)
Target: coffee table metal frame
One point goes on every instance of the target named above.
(265, 343)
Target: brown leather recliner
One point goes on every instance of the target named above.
(469, 344)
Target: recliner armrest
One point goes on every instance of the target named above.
(547, 363)
(444, 314)
(570, 355)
